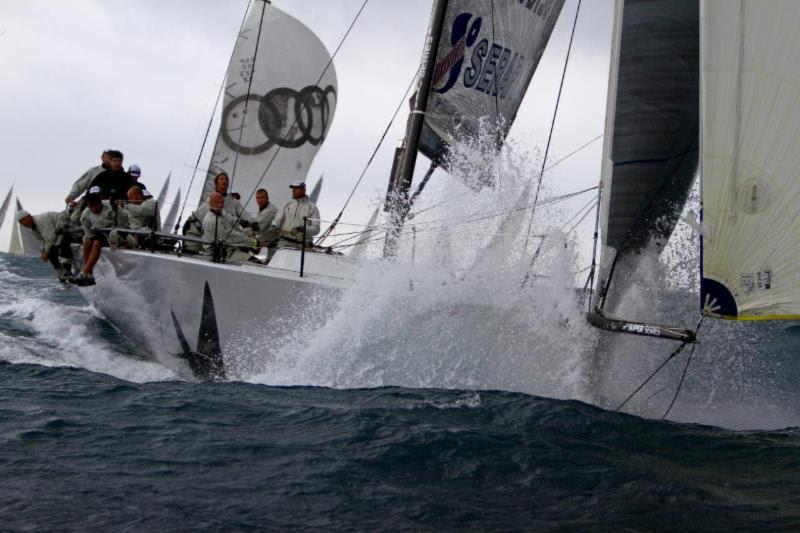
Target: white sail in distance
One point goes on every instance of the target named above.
(750, 100)
(488, 52)
(289, 107)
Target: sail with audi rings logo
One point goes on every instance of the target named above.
(276, 109)
(750, 81)
(487, 54)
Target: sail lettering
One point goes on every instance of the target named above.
(491, 65)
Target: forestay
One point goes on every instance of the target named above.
(488, 52)
(286, 108)
(750, 163)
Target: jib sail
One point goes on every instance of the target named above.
(651, 137)
(286, 106)
(751, 162)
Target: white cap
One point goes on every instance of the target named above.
(134, 170)
(22, 214)
(146, 193)
(296, 184)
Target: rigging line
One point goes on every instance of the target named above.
(685, 368)
(590, 279)
(586, 207)
(553, 122)
(496, 111)
(678, 350)
(586, 214)
(551, 166)
(548, 201)
(210, 122)
(575, 151)
(369, 162)
(247, 96)
(669, 358)
(294, 122)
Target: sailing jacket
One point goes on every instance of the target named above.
(224, 228)
(47, 228)
(264, 220)
(81, 185)
(114, 184)
(290, 219)
(235, 209)
(142, 215)
(106, 218)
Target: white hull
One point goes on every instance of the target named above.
(140, 291)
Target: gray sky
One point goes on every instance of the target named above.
(142, 76)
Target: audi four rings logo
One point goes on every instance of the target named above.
(287, 118)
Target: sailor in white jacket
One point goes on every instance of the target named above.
(48, 228)
(266, 215)
(220, 226)
(290, 219)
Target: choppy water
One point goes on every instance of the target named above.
(93, 435)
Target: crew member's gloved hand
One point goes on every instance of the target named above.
(255, 227)
(299, 229)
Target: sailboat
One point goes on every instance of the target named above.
(708, 87)
(15, 239)
(478, 61)
(276, 113)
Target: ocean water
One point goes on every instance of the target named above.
(94, 435)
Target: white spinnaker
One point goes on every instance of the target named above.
(750, 83)
(286, 106)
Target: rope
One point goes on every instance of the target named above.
(369, 162)
(247, 95)
(294, 122)
(553, 122)
(210, 122)
(685, 368)
(669, 358)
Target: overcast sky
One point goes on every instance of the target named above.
(143, 75)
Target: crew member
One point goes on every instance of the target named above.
(232, 204)
(97, 215)
(220, 226)
(135, 173)
(142, 214)
(266, 214)
(48, 228)
(114, 182)
(84, 182)
(290, 219)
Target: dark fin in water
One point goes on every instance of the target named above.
(181, 337)
(208, 344)
(206, 362)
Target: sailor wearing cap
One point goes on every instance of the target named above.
(290, 219)
(135, 172)
(98, 214)
(47, 228)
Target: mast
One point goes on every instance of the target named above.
(401, 181)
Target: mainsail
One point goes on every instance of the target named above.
(750, 163)
(487, 54)
(651, 137)
(288, 106)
